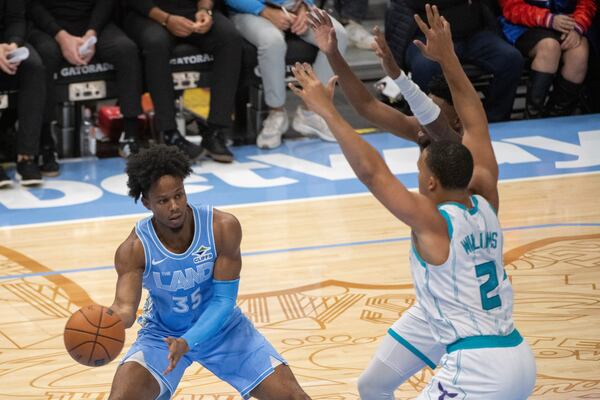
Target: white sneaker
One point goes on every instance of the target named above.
(309, 123)
(359, 36)
(273, 128)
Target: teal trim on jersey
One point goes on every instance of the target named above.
(475, 208)
(471, 211)
(454, 203)
(458, 368)
(448, 222)
(411, 348)
(487, 341)
(421, 261)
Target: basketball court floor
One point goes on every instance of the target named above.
(325, 267)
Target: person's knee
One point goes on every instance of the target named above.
(273, 44)
(156, 44)
(548, 48)
(51, 54)
(579, 55)
(33, 64)
(364, 385)
(513, 58)
(510, 64)
(125, 48)
(368, 388)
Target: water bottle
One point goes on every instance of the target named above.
(87, 134)
(179, 117)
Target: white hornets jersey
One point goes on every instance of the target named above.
(470, 294)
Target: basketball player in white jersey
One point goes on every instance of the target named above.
(464, 298)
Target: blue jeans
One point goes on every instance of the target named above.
(487, 51)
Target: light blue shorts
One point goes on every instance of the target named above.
(238, 355)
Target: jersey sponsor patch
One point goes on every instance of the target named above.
(202, 254)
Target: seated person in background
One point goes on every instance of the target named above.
(61, 27)
(548, 31)
(157, 26)
(475, 42)
(593, 77)
(264, 23)
(29, 76)
(352, 12)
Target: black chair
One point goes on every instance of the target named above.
(78, 86)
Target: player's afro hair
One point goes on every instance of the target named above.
(149, 165)
(451, 163)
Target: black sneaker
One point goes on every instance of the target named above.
(4, 179)
(128, 146)
(213, 141)
(174, 138)
(28, 173)
(48, 164)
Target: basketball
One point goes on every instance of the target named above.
(94, 335)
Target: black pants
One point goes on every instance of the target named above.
(113, 47)
(31, 84)
(156, 42)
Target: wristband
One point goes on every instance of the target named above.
(421, 105)
(215, 315)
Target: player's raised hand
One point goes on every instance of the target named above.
(177, 348)
(439, 44)
(382, 50)
(317, 97)
(325, 37)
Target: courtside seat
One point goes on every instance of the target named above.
(96, 81)
(7, 98)
(190, 67)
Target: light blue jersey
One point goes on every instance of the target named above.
(470, 294)
(180, 287)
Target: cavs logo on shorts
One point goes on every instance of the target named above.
(202, 254)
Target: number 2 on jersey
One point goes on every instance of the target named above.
(489, 269)
(182, 303)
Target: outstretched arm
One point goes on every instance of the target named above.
(365, 104)
(130, 264)
(440, 48)
(426, 113)
(414, 209)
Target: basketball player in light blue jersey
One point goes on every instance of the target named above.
(462, 320)
(188, 259)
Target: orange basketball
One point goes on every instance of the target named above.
(94, 335)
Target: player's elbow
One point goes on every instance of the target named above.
(366, 174)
